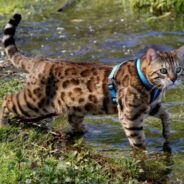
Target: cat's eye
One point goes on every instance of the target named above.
(178, 70)
(163, 70)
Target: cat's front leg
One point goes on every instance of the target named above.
(160, 112)
(131, 119)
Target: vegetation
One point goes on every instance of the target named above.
(41, 8)
(32, 156)
(35, 155)
(160, 7)
(155, 7)
(9, 87)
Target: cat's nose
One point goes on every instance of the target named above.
(174, 78)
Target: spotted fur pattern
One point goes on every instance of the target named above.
(77, 89)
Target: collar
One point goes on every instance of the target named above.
(154, 91)
(141, 75)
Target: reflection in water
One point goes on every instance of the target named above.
(106, 136)
(157, 167)
(168, 157)
(167, 148)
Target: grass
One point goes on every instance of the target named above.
(159, 7)
(9, 87)
(29, 8)
(48, 8)
(29, 155)
(35, 155)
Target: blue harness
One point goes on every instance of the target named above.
(154, 91)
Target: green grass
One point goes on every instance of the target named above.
(46, 8)
(9, 87)
(159, 7)
(29, 155)
(10, 6)
(29, 8)
(35, 155)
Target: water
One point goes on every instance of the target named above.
(111, 34)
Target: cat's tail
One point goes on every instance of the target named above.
(8, 38)
(16, 58)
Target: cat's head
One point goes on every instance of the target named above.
(164, 69)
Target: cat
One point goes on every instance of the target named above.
(131, 89)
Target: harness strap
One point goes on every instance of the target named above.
(111, 86)
(154, 91)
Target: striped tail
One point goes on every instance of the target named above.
(8, 37)
(16, 58)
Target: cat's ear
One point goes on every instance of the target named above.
(180, 53)
(151, 54)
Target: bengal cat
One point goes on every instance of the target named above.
(55, 86)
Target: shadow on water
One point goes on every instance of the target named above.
(110, 35)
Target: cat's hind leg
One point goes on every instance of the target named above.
(25, 105)
(13, 104)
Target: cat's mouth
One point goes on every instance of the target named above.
(166, 84)
(173, 85)
(170, 85)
